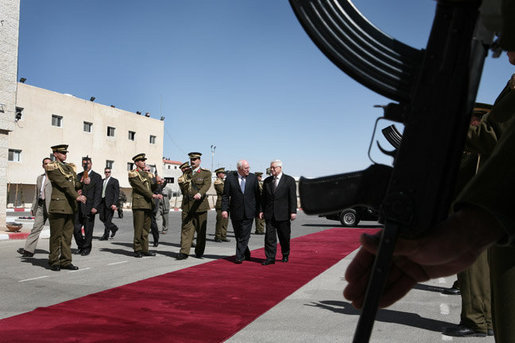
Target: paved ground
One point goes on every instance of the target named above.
(316, 312)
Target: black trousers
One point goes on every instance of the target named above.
(274, 229)
(242, 229)
(106, 216)
(88, 221)
(153, 228)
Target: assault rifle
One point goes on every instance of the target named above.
(434, 90)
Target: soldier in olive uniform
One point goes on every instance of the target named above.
(260, 223)
(143, 184)
(221, 222)
(62, 209)
(194, 214)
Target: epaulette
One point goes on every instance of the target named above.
(51, 166)
(73, 166)
(133, 173)
(218, 181)
(151, 175)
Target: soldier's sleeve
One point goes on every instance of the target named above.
(57, 177)
(138, 185)
(482, 139)
(219, 186)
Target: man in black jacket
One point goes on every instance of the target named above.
(85, 216)
(279, 202)
(241, 198)
(110, 196)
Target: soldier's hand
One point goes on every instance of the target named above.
(87, 181)
(260, 215)
(114, 208)
(197, 196)
(448, 248)
(81, 198)
(94, 210)
(225, 215)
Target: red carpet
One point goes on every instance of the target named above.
(205, 303)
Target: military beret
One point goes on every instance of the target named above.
(184, 165)
(258, 173)
(194, 155)
(220, 170)
(139, 157)
(62, 148)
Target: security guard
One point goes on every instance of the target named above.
(62, 209)
(195, 215)
(260, 223)
(143, 184)
(221, 223)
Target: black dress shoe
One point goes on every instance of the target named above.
(181, 256)
(218, 240)
(285, 259)
(490, 332)
(25, 253)
(104, 238)
(55, 267)
(148, 253)
(156, 244)
(77, 252)
(267, 262)
(198, 255)
(70, 267)
(247, 257)
(113, 232)
(451, 291)
(463, 331)
(238, 261)
(138, 254)
(85, 252)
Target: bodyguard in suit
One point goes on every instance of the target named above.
(110, 197)
(194, 215)
(241, 198)
(279, 203)
(39, 210)
(85, 216)
(62, 209)
(143, 184)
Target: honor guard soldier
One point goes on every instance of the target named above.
(62, 208)
(194, 215)
(260, 223)
(221, 222)
(143, 184)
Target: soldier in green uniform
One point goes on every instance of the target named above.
(63, 205)
(195, 214)
(221, 222)
(260, 223)
(143, 184)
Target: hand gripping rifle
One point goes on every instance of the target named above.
(434, 90)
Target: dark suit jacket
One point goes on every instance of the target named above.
(281, 203)
(241, 205)
(93, 192)
(112, 191)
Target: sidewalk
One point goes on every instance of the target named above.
(27, 223)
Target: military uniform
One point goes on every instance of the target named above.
(221, 222)
(260, 223)
(497, 198)
(61, 212)
(194, 212)
(143, 184)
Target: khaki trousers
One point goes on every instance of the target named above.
(191, 223)
(61, 231)
(141, 220)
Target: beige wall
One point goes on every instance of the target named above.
(10, 18)
(34, 134)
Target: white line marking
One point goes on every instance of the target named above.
(35, 278)
(442, 280)
(444, 309)
(115, 263)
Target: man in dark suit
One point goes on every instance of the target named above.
(110, 196)
(242, 199)
(85, 216)
(279, 202)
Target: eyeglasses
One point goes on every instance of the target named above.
(107, 172)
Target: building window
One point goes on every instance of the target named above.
(132, 135)
(88, 127)
(130, 166)
(152, 139)
(110, 131)
(14, 155)
(109, 164)
(169, 179)
(57, 120)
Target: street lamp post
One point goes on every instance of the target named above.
(213, 148)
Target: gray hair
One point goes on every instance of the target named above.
(279, 163)
(239, 165)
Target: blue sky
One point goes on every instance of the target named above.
(238, 74)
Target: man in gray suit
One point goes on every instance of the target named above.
(39, 210)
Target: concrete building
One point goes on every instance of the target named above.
(110, 136)
(9, 24)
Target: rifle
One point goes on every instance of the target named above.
(435, 90)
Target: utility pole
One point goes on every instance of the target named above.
(213, 148)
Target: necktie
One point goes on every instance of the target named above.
(42, 190)
(104, 188)
(242, 185)
(276, 181)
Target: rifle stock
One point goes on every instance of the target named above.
(435, 111)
